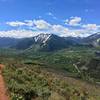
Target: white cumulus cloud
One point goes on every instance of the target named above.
(15, 23)
(73, 21)
(59, 29)
(18, 33)
(41, 24)
(91, 26)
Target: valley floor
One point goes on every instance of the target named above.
(50, 76)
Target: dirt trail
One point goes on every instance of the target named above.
(3, 92)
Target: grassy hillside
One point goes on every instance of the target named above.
(29, 81)
(62, 75)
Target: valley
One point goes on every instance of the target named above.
(49, 50)
(49, 67)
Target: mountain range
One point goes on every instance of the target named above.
(49, 42)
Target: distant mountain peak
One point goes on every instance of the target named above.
(93, 39)
(42, 38)
(49, 42)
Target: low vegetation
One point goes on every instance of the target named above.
(63, 75)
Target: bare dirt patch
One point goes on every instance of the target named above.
(3, 90)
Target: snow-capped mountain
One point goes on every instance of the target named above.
(93, 39)
(49, 42)
(42, 38)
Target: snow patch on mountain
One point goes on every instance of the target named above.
(42, 38)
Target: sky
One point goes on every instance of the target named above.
(27, 18)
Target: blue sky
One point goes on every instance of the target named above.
(62, 17)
